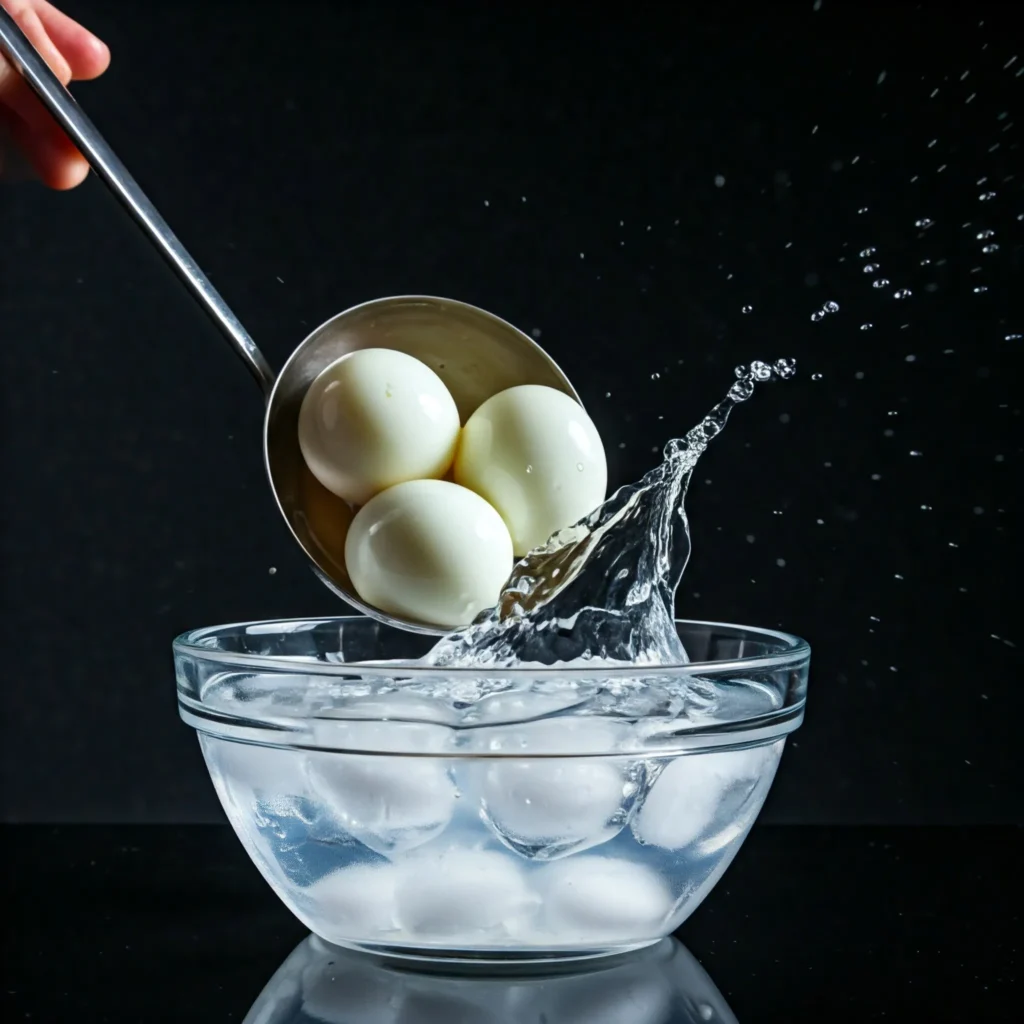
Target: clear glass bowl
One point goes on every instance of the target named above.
(512, 814)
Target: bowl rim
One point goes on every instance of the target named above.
(794, 651)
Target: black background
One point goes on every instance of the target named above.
(622, 184)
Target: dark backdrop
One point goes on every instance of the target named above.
(621, 185)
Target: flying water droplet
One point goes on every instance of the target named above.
(982, 235)
(990, 248)
(1013, 337)
(739, 392)
(816, 376)
(902, 293)
(869, 251)
(870, 268)
(655, 376)
(981, 288)
(819, 315)
(986, 196)
(924, 222)
(916, 454)
(785, 368)
(882, 282)
(866, 327)
(831, 307)
(762, 371)
(747, 309)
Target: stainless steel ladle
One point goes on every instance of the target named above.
(474, 352)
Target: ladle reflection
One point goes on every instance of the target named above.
(662, 984)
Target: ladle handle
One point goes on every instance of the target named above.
(82, 132)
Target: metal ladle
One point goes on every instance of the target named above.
(475, 353)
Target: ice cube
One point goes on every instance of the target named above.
(266, 772)
(390, 804)
(591, 898)
(549, 808)
(460, 895)
(355, 903)
(698, 794)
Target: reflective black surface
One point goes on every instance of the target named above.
(154, 923)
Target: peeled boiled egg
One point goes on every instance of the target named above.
(429, 550)
(536, 456)
(375, 418)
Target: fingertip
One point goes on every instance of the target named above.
(93, 59)
(67, 173)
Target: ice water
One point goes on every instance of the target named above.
(424, 813)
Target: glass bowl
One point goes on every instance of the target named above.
(500, 814)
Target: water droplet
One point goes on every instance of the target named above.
(1013, 337)
(785, 368)
(529, 469)
(582, 257)
(902, 293)
(990, 248)
(982, 235)
(978, 510)
(760, 370)
(831, 307)
(925, 262)
(876, 476)
(926, 508)
(719, 180)
(986, 196)
(751, 538)
(655, 376)
(897, 576)
(953, 544)
(579, 466)
(981, 288)
(869, 251)
(272, 570)
(819, 315)
(780, 562)
(816, 376)
(535, 332)
(881, 282)
(915, 453)
(911, 359)
(863, 209)
(866, 327)
(870, 268)
(747, 309)
(924, 222)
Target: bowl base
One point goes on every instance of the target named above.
(492, 961)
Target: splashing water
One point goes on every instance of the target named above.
(603, 591)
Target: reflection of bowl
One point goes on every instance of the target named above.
(514, 814)
(320, 982)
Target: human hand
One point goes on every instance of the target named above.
(26, 127)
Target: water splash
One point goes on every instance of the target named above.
(603, 591)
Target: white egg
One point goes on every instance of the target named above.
(536, 456)
(375, 418)
(462, 894)
(429, 550)
(591, 898)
